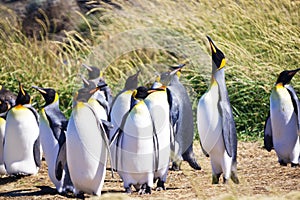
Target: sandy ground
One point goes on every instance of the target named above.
(261, 177)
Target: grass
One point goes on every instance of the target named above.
(258, 40)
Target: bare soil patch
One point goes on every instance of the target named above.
(260, 176)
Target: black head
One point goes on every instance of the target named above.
(94, 72)
(218, 58)
(141, 92)
(286, 76)
(4, 106)
(23, 97)
(132, 81)
(84, 94)
(49, 94)
(101, 84)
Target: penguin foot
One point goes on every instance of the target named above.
(190, 158)
(128, 190)
(225, 180)
(175, 166)
(215, 178)
(160, 185)
(145, 189)
(282, 163)
(234, 177)
(294, 165)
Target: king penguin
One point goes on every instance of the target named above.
(4, 106)
(182, 120)
(87, 146)
(53, 125)
(283, 123)
(142, 152)
(22, 150)
(215, 123)
(121, 103)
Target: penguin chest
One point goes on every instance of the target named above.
(99, 110)
(2, 131)
(86, 150)
(209, 120)
(283, 119)
(21, 132)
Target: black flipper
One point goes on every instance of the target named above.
(61, 161)
(37, 152)
(295, 101)
(268, 139)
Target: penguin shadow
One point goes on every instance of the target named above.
(44, 190)
(9, 179)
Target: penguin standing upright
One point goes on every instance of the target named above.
(87, 146)
(4, 106)
(215, 122)
(121, 104)
(22, 152)
(142, 145)
(283, 123)
(53, 125)
(182, 120)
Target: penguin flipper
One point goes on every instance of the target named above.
(268, 139)
(295, 101)
(203, 150)
(37, 152)
(61, 161)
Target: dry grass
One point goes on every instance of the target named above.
(261, 177)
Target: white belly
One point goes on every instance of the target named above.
(21, 132)
(50, 147)
(2, 132)
(86, 151)
(284, 126)
(209, 121)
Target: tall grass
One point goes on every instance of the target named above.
(258, 39)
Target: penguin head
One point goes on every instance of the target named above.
(94, 72)
(132, 81)
(166, 77)
(179, 67)
(286, 76)
(23, 97)
(101, 84)
(87, 83)
(4, 106)
(49, 94)
(218, 58)
(84, 94)
(140, 93)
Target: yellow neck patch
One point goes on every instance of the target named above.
(223, 63)
(279, 86)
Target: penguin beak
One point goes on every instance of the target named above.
(212, 45)
(84, 80)
(39, 89)
(87, 67)
(21, 89)
(94, 90)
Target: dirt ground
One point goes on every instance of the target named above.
(261, 177)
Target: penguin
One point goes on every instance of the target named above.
(141, 150)
(282, 126)
(98, 100)
(216, 124)
(53, 126)
(182, 120)
(4, 106)
(87, 146)
(121, 104)
(95, 75)
(7, 96)
(22, 149)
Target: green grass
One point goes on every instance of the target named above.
(259, 40)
